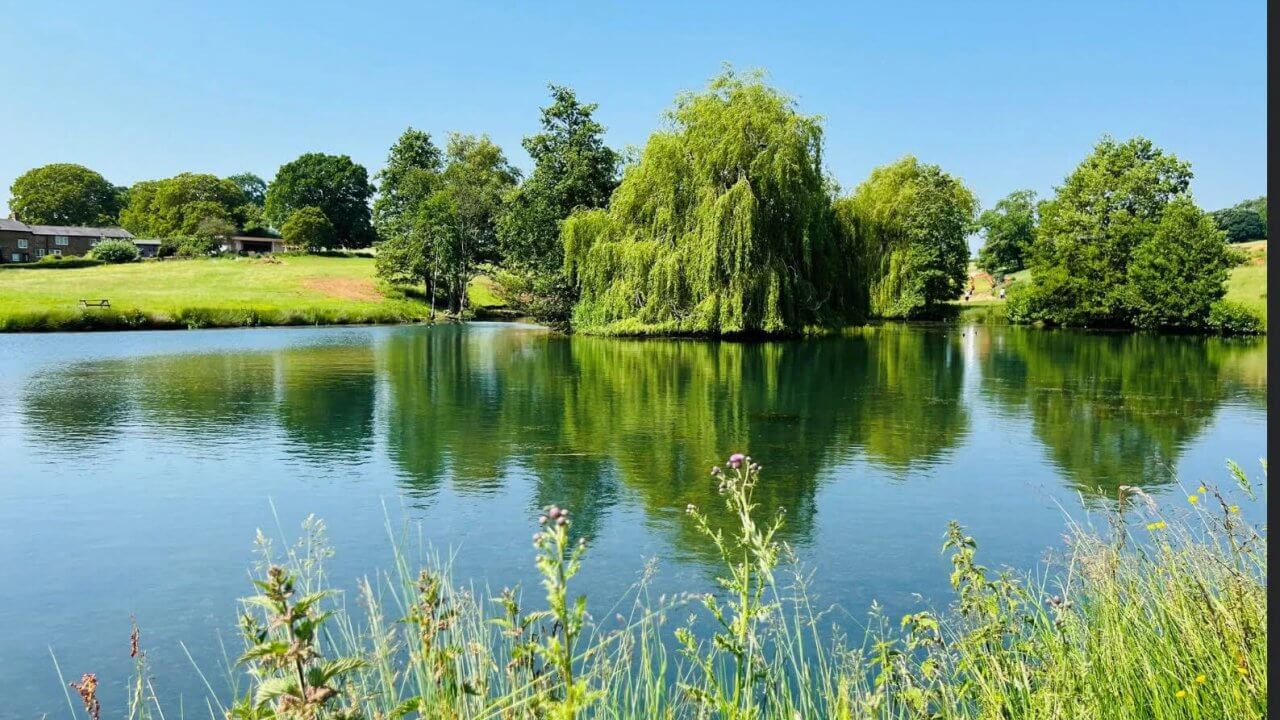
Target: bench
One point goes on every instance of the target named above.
(103, 303)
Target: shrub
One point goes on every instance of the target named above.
(1232, 318)
(114, 251)
(189, 246)
(54, 262)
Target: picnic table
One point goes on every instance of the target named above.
(103, 303)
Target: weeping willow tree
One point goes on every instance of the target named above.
(910, 220)
(723, 226)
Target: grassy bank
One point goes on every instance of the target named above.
(1161, 616)
(219, 292)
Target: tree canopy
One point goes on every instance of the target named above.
(63, 194)
(1244, 221)
(186, 204)
(1120, 239)
(413, 166)
(439, 225)
(308, 228)
(333, 183)
(909, 221)
(573, 169)
(723, 225)
(1010, 230)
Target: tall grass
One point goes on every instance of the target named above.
(1162, 615)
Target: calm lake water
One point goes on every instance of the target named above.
(137, 466)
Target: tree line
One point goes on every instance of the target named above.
(725, 222)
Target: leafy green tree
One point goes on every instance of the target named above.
(1108, 206)
(253, 187)
(723, 225)
(1244, 221)
(478, 178)
(1177, 273)
(573, 169)
(308, 228)
(910, 221)
(425, 248)
(178, 205)
(63, 194)
(413, 165)
(333, 183)
(1010, 229)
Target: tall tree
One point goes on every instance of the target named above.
(723, 225)
(446, 223)
(63, 194)
(412, 166)
(253, 187)
(178, 205)
(1180, 271)
(1010, 230)
(1109, 205)
(333, 183)
(573, 169)
(910, 221)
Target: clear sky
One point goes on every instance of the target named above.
(1004, 94)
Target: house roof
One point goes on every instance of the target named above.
(111, 232)
(68, 230)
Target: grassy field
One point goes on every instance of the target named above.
(217, 292)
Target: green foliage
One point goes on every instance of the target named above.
(573, 169)
(252, 187)
(54, 262)
(63, 194)
(1233, 318)
(909, 221)
(333, 183)
(1105, 210)
(186, 204)
(1180, 271)
(1244, 221)
(722, 226)
(308, 228)
(413, 166)
(443, 224)
(1010, 229)
(114, 251)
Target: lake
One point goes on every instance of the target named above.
(138, 466)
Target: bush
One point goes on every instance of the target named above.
(189, 246)
(1232, 318)
(114, 251)
(54, 262)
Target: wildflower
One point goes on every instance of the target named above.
(1157, 525)
(1233, 509)
(542, 519)
(735, 460)
(1202, 490)
(87, 688)
(690, 508)
(1200, 679)
(1180, 694)
(1193, 499)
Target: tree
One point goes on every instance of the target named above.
(413, 163)
(573, 169)
(1010, 229)
(1109, 205)
(723, 226)
(63, 194)
(253, 187)
(333, 183)
(910, 221)
(308, 228)
(1244, 221)
(1180, 271)
(178, 205)
(443, 224)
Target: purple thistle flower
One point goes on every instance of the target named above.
(735, 460)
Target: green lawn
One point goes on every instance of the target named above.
(205, 292)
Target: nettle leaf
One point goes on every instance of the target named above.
(274, 688)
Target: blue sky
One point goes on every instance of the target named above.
(1004, 95)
